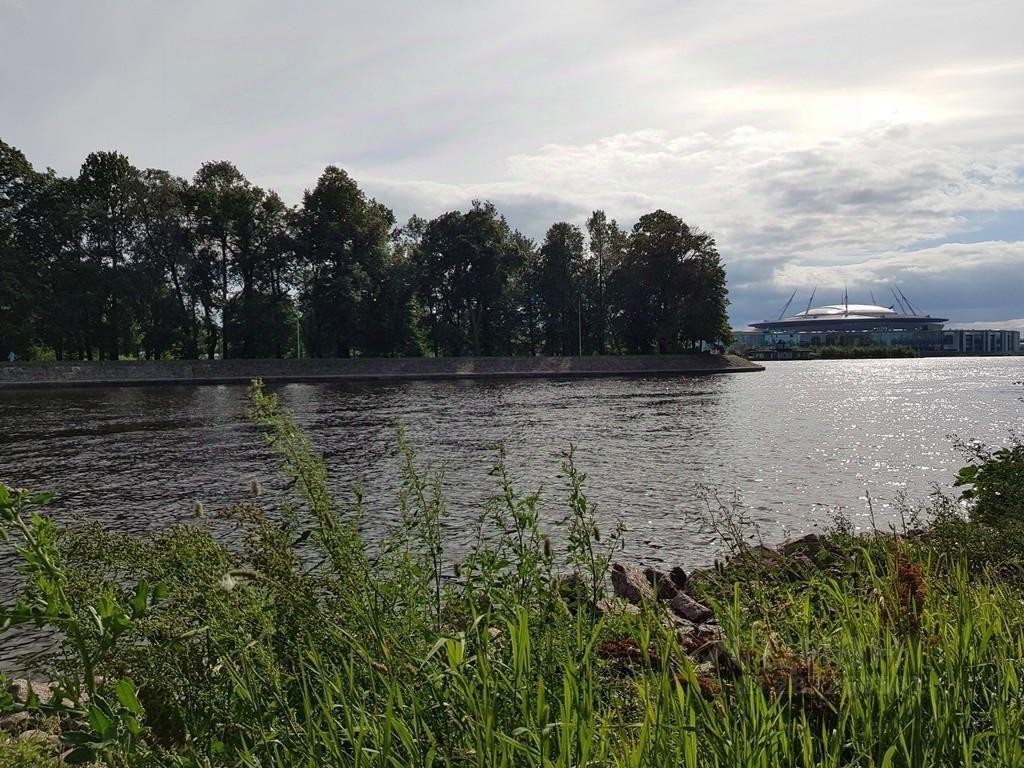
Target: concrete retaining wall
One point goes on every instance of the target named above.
(131, 373)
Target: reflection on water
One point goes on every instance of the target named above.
(795, 441)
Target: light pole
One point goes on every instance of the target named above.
(298, 338)
(579, 325)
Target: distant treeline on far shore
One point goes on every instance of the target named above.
(123, 262)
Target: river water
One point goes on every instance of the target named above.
(796, 442)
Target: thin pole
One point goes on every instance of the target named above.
(298, 341)
(579, 318)
(600, 300)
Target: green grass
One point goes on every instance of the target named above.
(18, 754)
(306, 647)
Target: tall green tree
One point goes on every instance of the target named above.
(608, 245)
(120, 262)
(169, 252)
(706, 311)
(69, 302)
(465, 264)
(661, 299)
(244, 261)
(20, 273)
(226, 205)
(525, 299)
(341, 241)
(110, 190)
(561, 276)
(259, 317)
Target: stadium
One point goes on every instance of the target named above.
(899, 325)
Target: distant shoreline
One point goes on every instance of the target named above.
(127, 373)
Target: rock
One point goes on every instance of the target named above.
(795, 545)
(19, 688)
(678, 577)
(800, 565)
(678, 623)
(572, 594)
(568, 584)
(704, 669)
(14, 722)
(709, 633)
(704, 644)
(661, 583)
(811, 546)
(630, 584)
(684, 605)
(758, 556)
(616, 606)
(40, 736)
(624, 654)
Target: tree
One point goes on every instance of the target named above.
(561, 268)
(118, 261)
(20, 274)
(109, 190)
(607, 248)
(226, 206)
(670, 290)
(341, 241)
(705, 312)
(169, 251)
(68, 300)
(465, 263)
(259, 318)
(524, 297)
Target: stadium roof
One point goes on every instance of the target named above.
(851, 317)
(848, 310)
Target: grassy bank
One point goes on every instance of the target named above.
(305, 647)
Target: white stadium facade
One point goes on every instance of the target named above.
(900, 325)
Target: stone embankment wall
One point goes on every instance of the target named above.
(132, 373)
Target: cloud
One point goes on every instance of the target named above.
(526, 208)
(769, 193)
(941, 262)
(881, 206)
(964, 282)
(820, 142)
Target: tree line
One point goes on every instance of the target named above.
(122, 262)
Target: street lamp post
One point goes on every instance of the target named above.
(579, 324)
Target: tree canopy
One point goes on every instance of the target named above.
(122, 262)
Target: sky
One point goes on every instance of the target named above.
(825, 144)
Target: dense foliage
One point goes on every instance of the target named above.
(305, 646)
(121, 262)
